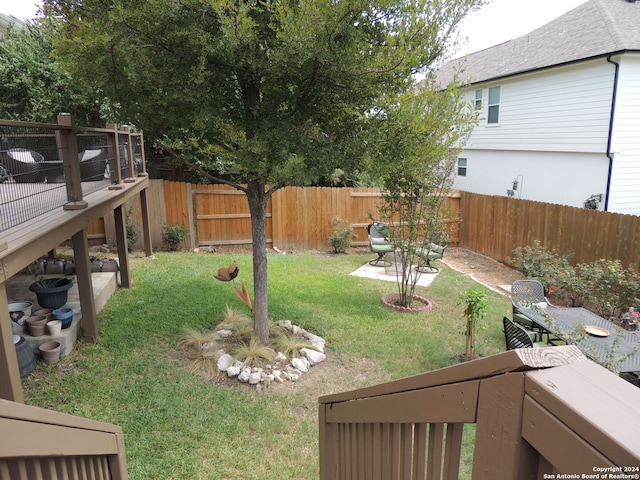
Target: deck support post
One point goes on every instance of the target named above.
(80, 242)
(121, 242)
(10, 383)
(146, 224)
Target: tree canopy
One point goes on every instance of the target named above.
(33, 87)
(258, 94)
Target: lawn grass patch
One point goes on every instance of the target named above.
(179, 426)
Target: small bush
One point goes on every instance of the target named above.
(254, 353)
(604, 286)
(609, 287)
(342, 235)
(131, 230)
(173, 235)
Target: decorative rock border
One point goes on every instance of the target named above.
(281, 370)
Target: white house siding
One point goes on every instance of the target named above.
(554, 177)
(553, 131)
(564, 109)
(625, 194)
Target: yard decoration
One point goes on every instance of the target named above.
(228, 274)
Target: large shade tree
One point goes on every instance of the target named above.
(258, 94)
(33, 86)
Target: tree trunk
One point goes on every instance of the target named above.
(257, 199)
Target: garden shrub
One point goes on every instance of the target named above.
(604, 286)
(342, 235)
(609, 288)
(173, 235)
(553, 270)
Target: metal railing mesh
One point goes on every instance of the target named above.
(31, 176)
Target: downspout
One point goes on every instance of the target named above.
(611, 118)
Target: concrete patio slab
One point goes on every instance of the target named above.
(378, 273)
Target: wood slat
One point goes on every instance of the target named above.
(455, 403)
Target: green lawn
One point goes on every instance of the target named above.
(179, 427)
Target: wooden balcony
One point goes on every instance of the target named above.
(53, 194)
(537, 413)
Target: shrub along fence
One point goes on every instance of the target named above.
(300, 219)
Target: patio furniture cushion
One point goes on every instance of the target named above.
(430, 253)
(379, 242)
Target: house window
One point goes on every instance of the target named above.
(462, 167)
(478, 101)
(494, 105)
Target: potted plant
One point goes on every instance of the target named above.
(52, 292)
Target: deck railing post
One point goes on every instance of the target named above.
(114, 157)
(68, 153)
(500, 452)
(143, 160)
(131, 168)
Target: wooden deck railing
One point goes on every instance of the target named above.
(41, 444)
(536, 412)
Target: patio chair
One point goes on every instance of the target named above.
(22, 163)
(379, 242)
(517, 337)
(93, 164)
(528, 292)
(430, 253)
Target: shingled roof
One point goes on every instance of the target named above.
(595, 28)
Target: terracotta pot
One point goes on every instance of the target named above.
(50, 352)
(420, 304)
(37, 325)
(54, 327)
(43, 311)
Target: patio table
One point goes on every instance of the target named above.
(564, 321)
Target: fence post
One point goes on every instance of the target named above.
(68, 153)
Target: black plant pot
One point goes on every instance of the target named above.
(54, 296)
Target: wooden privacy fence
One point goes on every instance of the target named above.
(536, 411)
(300, 219)
(495, 226)
(297, 218)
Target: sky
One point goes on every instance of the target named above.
(498, 22)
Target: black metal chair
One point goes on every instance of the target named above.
(517, 337)
(430, 253)
(379, 242)
(528, 292)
